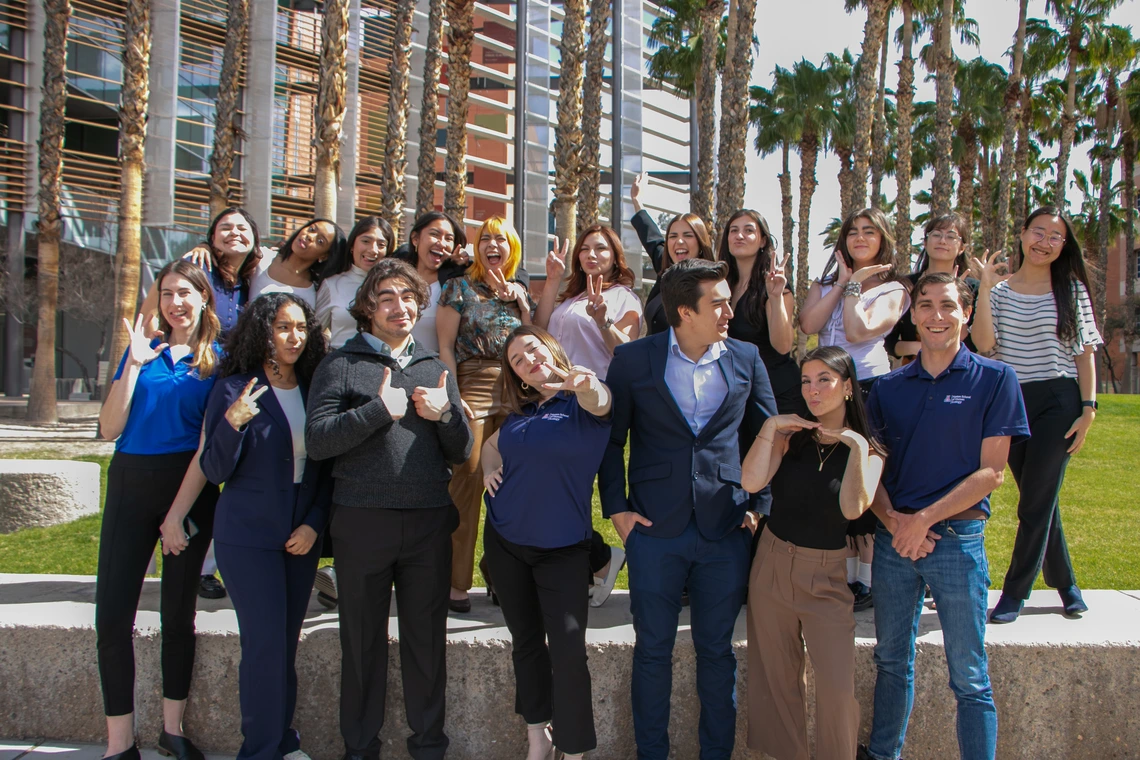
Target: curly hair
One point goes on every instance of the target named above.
(366, 303)
(249, 346)
(334, 263)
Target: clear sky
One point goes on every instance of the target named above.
(788, 31)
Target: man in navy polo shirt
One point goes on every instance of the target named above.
(948, 419)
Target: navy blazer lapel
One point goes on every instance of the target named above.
(658, 358)
(268, 403)
(727, 364)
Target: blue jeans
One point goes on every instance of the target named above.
(958, 576)
(716, 573)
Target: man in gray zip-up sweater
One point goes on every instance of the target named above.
(391, 415)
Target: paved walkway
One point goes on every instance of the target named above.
(49, 750)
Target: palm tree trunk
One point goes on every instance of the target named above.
(429, 109)
(332, 101)
(394, 195)
(846, 177)
(732, 153)
(461, 38)
(1127, 171)
(1107, 160)
(226, 129)
(41, 401)
(879, 132)
(943, 184)
(905, 105)
(589, 170)
(786, 200)
(1021, 185)
(132, 137)
(985, 202)
(873, 32)
(702, 201)
(809, 152)
(967, 169)
(568, 134)
(1068, 121)
(1011, 115)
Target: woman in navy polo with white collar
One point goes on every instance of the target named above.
(156, 491)
(273, 508)
(539, 470)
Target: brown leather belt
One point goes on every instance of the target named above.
(973, 513)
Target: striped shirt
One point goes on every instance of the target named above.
(1025, 328)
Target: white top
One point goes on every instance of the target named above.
(870, 356)
(578, 333)
(699, 387)
(261, 283)
(1025, 328)
(424, 329)
(334, 298)
(294, 407)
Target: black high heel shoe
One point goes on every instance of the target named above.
(131, 753)
(487, 578)
(178, 747)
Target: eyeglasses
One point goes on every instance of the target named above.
(949, 237)
(1039, 234)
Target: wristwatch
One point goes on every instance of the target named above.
(1091, 404)
(608, 323)
(445, 417)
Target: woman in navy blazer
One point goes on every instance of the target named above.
(273, 508)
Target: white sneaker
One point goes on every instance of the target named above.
(604, 586)
(297, 754)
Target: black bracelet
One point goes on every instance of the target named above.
(1090, 404)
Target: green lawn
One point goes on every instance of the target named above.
(1100, 505)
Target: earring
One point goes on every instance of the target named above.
(525, 387)
(847, 397)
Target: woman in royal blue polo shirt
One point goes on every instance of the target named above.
(273, 508)
(156, 491)
(539, 470)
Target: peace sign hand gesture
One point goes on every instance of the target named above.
(595, 305)
(989, 269)
(245, 408)
(140, 350)
(575, 380)
(777, 280)
(556, 261)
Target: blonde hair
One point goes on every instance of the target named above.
(495, 225)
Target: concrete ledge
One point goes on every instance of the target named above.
(36, 493)
(1065, 688)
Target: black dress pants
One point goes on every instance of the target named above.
(140, 490)
(1038, 466)
(544, 600)
(374, 549)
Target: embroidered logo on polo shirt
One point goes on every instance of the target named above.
(555, 416)
(954, 399)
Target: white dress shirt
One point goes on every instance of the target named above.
(334, 298)
(699, 387)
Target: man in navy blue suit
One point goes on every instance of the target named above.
(686, 398)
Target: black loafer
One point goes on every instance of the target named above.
(178, 747)
(131, 753)
(209, 587)
(462, 606)
(864, 600)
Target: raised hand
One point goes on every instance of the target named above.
(595, 304)
(556, 262)
(140, 350)
(846, 435)
(575, 380)
(199, 256)
(245, 408)
(866, 273)
(777, 280)
(461, 256)
(492, 480)
(500, 285)
(989, 270)
(431, 403)
(843, 272)
(395, 399)
(639, 182)
(786, 424)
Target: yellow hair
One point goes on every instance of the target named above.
(495, 225)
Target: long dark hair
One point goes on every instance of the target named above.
(700, 230)
(333, 264)
(363, 227)
(250, 344)
(621, 274)
(202, 347)
(1066, 269)
(855, 416)
(886, 248)
(231, 275)
(951, 221)
(756, 281)
(411, 255)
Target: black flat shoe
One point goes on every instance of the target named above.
(132, 753)
(487, 579)
(178, 747)
(209, 587)
(462, 606)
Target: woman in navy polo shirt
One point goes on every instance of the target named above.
(539, 469)
(156, 491)
(273, 508)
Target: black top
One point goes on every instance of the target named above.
(905, 329)
(782, 368)
(805, 500)
(654, 244)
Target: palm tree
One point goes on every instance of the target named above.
(843, 129)
(1078, 19)
(41, 400)
(589, 171)
(461, 38)
(396, 137)
(904, 97)
(979, 85)
(1129, 122)
(429, 108)
(879, 129)
(132, 137)
(568, 134)
(874, 31)
(775, 130)
(734, 108)
(332, 101)
(226, 128)
(943, 183)
(1011, 116)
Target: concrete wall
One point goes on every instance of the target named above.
(1065, 689)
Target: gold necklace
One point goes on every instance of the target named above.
(819, 453)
